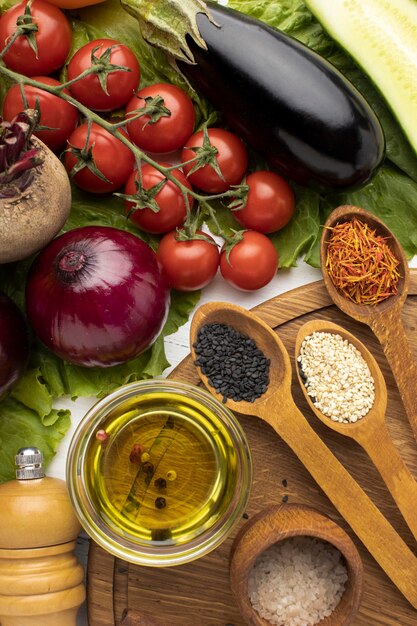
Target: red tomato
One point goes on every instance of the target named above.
(169, 132)
(231, 157)
(120, 84)
(53, 39)
(189, 265)
(270, 203)
(112, 158)
(252, 262)
(60, 116)
(172, 209)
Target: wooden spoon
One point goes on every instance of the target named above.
(370, 431)
(384, 318)
(277, 407)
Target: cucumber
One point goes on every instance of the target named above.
(381, 36)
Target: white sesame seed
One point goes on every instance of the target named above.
(336, 377)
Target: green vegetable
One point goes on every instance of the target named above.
(20, 425)
(27, 414)
(382, 38)
(179, 12)
(391, 195)
(301, 237)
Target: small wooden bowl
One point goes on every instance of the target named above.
(281, 522)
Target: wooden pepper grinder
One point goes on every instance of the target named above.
(41, 581)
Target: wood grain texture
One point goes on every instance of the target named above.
(371, 431)
(277, 408)
(198, 594)
(280, 522)
(385, 318)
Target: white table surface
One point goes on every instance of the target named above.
(177, 347)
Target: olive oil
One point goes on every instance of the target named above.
(165, 471)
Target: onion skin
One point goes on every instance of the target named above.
(14, 344)
(97, 296)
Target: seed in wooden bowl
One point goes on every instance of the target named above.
(297, 582)
(336, 376)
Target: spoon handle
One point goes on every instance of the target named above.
(389, 330)
(365, 519)
(396, 475)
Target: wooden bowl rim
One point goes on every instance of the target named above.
(241, 559)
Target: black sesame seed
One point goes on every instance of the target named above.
(285, 498)
(284, 482)
(237, 369)
(160, 502)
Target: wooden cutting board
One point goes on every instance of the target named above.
(198, 594)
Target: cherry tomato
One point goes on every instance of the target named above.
(169, 132)
(231, 157)
(172, 209)
(270, 203)
(189, 265)
(252, 262)
(112, 158)
(120, 84)
(60, 116)
(53, 39)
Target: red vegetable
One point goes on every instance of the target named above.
(52, 37)
(109, 156)
(59, 116)
(190, 264)
(171, 120)
(172, 208)
(230, 154)
(269, 205)
(97, 296)
(14, 345)
(120, 84)
(251, 264)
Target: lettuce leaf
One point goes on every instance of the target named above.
(391, 194)
(294, 18)
(27, 415)
(21, 426)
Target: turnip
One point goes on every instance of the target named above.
(35, 192)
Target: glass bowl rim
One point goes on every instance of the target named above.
(156, 556)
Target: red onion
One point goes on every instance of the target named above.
(96, 296)
(14, 344)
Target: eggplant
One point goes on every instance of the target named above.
(286, 101)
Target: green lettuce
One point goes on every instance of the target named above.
(27, 415)
(22, 426)
(391, 194)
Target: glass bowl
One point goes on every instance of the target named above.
(159, 472)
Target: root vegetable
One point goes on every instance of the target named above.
(35, 192)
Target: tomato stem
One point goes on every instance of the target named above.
(113, 129)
